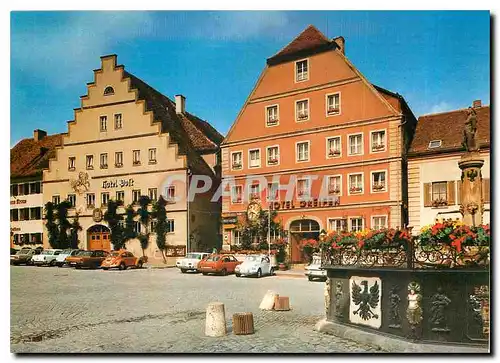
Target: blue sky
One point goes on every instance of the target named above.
(438, 61)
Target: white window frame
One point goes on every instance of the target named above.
(337, 219)
(71, 165)
(296, 73)
(89, 205)
(105, 119)
(362, 183)
(250, 193)
(117, 164)
(134, 200)
(231, 159)
(309, 184)
(73, 205)
(152, 151)
(155, 194)
(379, 216)
(250, 159)
(277, 192)
(102, 198)
(308, 151)
(121, 120)
(384, 141)
(326, 104)
(327, 139)
(267, 155)
(385, 178)
(136, 162)
(362, 223)
(122, 194)
(234, 194)
(328, 184)
(349, 144)
(277, 115)
(56, 197)
(170, 225)
(101, 164)
(89, 166)
(307, 110)
(171, 192)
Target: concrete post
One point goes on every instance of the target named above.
(215, 323)
(268, 300)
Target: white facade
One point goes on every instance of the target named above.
(26, 212)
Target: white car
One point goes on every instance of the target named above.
(47, 257)
(314, 271)
(255, 265)
(61, 257)
(191, 261)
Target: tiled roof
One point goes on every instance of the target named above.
(449, 127)
(192, 135)
(29, 157)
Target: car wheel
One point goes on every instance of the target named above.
(205, 273)
(122, 266)
(310, 278)
(224, 272)
(238, 275)
(271, 272)
(139, 265)
(105, 268)
(78, 267)
(259, 273)
(183, 270)
(52, 263)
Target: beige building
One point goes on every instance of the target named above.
(125, 141)
(434, 178)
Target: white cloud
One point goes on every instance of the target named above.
(441, 107)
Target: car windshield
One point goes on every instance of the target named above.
(213, 258)
(196, 256)
(65, 252)
(85, 253)
(252, 258)
(47, 253)
(23, 252)
(115, 254)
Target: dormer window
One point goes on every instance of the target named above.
(301, 70)
(434, 144)
(109, 91)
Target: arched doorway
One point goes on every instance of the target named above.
(299, 230)
(98, 238)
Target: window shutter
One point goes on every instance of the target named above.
(450, 192)
(486, 190)
(427, 195)
(459, 192)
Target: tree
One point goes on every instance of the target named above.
(113, 218)
(144, 219)
(51, 225)
(257, 231)
(75, 228)
(63, 224)
(160, 213)
(129, 230)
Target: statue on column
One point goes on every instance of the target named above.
(470, 137)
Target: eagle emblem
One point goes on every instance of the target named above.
(366, 300)
(81, 184)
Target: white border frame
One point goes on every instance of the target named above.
(116, 195)
(231, 194)
(308, 151)
(260, 158)
(362, 144)
(152, 162)
(377, 216)
(123, 162)
(335, 219)
(326, 104)
(100, 160)
(279, 156)
(327, 138)
(231, 160)
(362, 183)
(52, 199)
(386, 189)
(350, 218)
(295, 74)
(100, 199)
(100, 129)
(114, 121)
(277, 114)
(328, 183)
(371, 141)
(308, 110)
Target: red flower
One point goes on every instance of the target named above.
(452, 236)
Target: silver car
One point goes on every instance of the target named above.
(314, 271)
(61, 258)
(191, 261)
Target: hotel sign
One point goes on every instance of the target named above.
(229, 220)
(18, 201)
(312, 203)
(117, 183)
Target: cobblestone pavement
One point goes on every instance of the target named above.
(159, 310)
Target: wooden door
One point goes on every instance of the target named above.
(99, 241)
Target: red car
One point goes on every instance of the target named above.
(219, 264)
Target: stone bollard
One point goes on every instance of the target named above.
(281, 303)
(268, 300)
(215, 323)
(243, 323)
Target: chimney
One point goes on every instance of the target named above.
(180, 104)
(476, 104)
(341, 43)
(39, 134)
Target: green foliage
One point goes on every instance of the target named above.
(64, 225)
(160, 213)
(128, 230)
(75, 228)
(51, 225)
(113, 218)
(144, 217)
(257, 231)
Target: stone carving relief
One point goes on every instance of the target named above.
(82, 184)
(394, 306)
(439, 304)
(364, 304)
(414, 309)
(339, 295)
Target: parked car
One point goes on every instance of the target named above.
(90, 259)
(47, 257)
(61, 258)
(255, 265)
(24, 255)
(122, 260)
(191, 261)
(13, 251)
(219, 264)
(313, 270)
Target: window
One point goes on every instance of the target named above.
(170, 226)
(104, 123)
(104, 161)
(152, 156)
(434, 143)
(120, 196)
(72, 200)
(254, 158)
(379, 222)
(136, 157)
(118, 121)
(236, 194)
(303, 189)
(35, 188)
(272, 116)
(137, 227)
(152, 225)
(136, 194)
(378, 181)
(236, 237)
(334, 185)
(171, 193)
(355, 183)
(14, 215)
(13, 190)
(153, 194)
(301, 70)
(302, 110)
(356, 224)
(254, 191)
(273, 155)
(71, 163)
(337, 224)
(56, 199)
(333, 104)
(378, 141)
(90, 162)
(109, 91)
(119, 159)
(356, 144)
(104, 198)
(333, 147)
(36, 213)
(439, 194)
(24, 189)
(90, 200)
(273, 191)
(302, 151)
(236, 160)
(24, 214)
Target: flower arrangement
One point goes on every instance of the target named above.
(334, 189)
(378, 147)
(355, 189)
(378, 186)
(368, 239)
(236, 165)
(272, 161)
(439, 202)
(272, 120)
(334, 153)
(333, 109)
